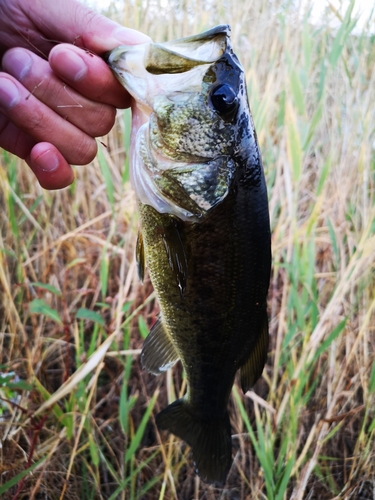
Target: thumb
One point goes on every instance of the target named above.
(72, 22)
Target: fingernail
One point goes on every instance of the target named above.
(128, 36)
(9, 93)
(18, 63)
(74, 67)
(47, 161)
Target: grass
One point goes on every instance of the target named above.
(76, 410)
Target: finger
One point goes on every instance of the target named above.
(50, 167)
(88, 74)
(73, 22)
(35, 74)
(13, 139)
(39, 121)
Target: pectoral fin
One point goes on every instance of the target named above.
(176, 254)
(140, 257)
(158, 352)
(252, 369)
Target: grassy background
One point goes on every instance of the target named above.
(76, 410)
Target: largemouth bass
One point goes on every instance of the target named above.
(204, 229)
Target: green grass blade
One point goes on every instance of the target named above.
(104, 167)
(331, 337)
(46, 286)
(16, 479)
(297, 92)
(88, 314)
(39, 306)
(293, 144)
(127, 120)
(141, 429)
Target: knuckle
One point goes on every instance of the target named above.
(98, 120)
(105, 119)
(36, 121)
(85, 151)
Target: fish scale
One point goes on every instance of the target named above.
(204, 230)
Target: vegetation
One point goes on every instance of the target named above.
(76, 410)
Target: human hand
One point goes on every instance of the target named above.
(51, 111)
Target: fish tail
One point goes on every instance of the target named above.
(210, 440)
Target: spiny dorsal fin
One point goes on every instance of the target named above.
(140, 257)
(252, 369)
(176, 254)
(210, 440)
(158, 352)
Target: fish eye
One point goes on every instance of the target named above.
(224, 99)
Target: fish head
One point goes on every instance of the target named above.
(189, 95)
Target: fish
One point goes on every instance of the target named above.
(204, 231)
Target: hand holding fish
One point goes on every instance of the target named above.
(52, 110)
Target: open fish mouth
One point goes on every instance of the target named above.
(135, 65)
(173, 57)
(178, 164)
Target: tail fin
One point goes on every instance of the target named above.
(210, 441)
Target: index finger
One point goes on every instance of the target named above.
(73, 22)
(88, 74)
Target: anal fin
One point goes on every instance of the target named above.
(252, 369)
(158, 352)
